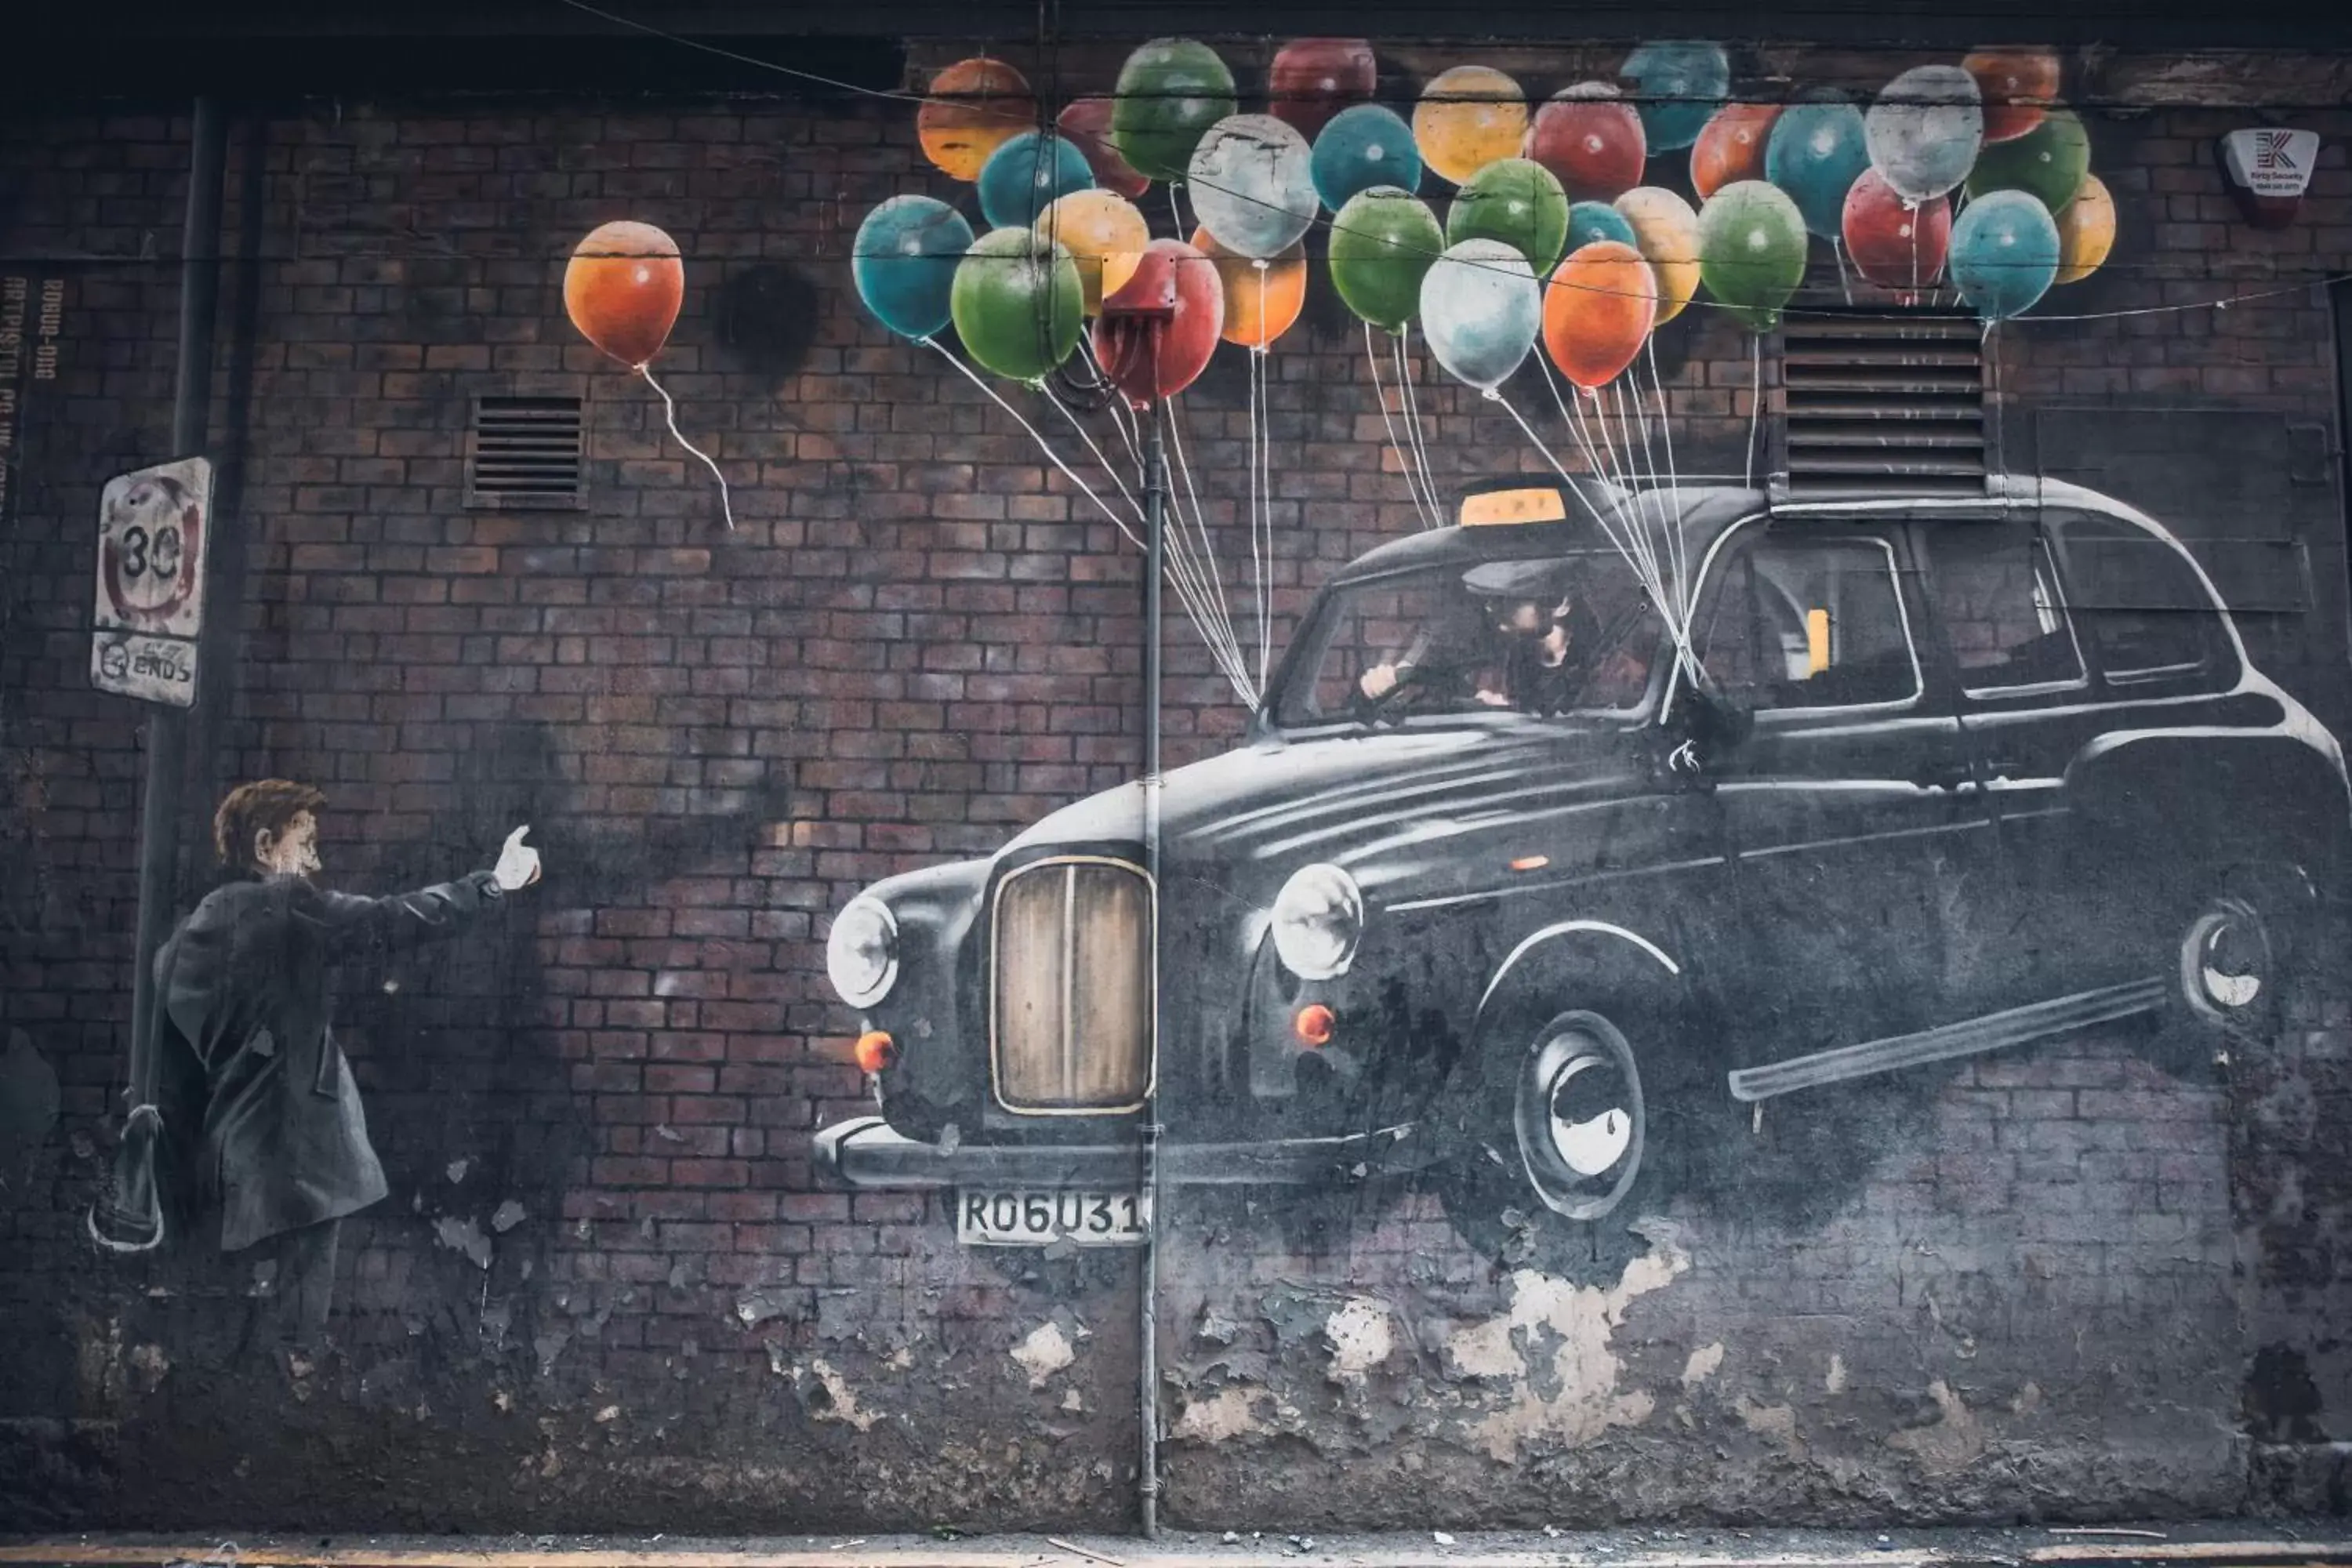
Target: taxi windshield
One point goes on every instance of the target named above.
(1570, 633)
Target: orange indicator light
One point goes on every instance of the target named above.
(1531, 862)
(1315, 1025)
(876, 1051)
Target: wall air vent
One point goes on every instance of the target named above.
(1881, 400)
(525, 452)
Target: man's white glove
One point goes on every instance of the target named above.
(518, 864)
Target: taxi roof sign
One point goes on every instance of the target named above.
(1515, 504)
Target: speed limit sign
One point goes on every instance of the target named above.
(153, 528)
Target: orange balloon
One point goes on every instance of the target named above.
(1731, 147)
(623, 287)
(1263, 299)
(1597, 311)
(975, 106)
(2018, 85)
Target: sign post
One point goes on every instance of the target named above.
(154, 528)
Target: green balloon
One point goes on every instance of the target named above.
(1517, 201)
(1170, 91)
(1751, 250)
(1381, 243)
(1016, 302)
(2047, 163)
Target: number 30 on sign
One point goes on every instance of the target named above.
(154, 527)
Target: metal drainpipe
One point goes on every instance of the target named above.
(167, 734)
(1155, 493)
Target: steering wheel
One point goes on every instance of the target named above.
(1389, 707)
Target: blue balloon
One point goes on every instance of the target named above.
(1023, 177)
(1481, 309)
(2004, 254)
(904, 261)
(1363, 146)
(1589, 221)
(1677, 87)
(1816, 152)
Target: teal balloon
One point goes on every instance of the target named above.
(1021, 178)
(904, 261)
(1382, 243)
(1363, 146)
(1816, 152)
(1169, 93)
(1677, 87)
(2004, 254)
(1589, 221)
(1751, 250)
(1518, 202)
(1017, 301)
(2047, 163)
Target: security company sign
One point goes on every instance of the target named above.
(154, 526)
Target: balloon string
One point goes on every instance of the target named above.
(1755, 401)
(1372, 360)
(1050, 456)
(669, 410)
(1837, 249)
(1412, 424)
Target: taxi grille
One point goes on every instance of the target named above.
(1071, 993)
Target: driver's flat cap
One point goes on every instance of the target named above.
(1546, 579)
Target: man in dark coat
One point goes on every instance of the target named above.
(278, 1142)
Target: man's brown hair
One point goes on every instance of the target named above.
(265, 806)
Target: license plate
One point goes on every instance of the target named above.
(1034, 1217)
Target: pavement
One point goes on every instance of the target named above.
(2219, 1544)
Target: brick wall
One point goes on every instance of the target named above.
(607, 1289)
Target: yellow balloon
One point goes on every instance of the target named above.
(1468, 118)
(1666, 231)
(2086, 230)
(1105, 233)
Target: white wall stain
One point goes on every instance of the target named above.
(1583, 1398)
(1834, 1383)
(1224, 1414)
(1046, 1352)
(1951, 1442)
(1362, 1333)
(1703, 1362)
(840, 1401)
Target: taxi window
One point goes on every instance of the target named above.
(1996, 590)
(2142, 607)
(1807, 623)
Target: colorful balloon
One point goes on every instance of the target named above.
(1104, 234)
(1730, 147)
(2047, 163)
(1591, 140)
(1480, 310)
(1314, 79)
(1363, 147)
(2086, 231)
(623, 287)
(1666, 231)
(1895, 242)
(904, 261)
(1924, 130)
(1263, 299)
(1517, 201)
(1467, 118)
(1087, 122)
(1677, 87)
(1251, 182)
(1751, 248)
(1382, 241)
(1024, 176)
(2017, 85)
(1817, 151)
(1597, 311)
(1170, 269)
(1592, 221)
(1169, 93)
(973, 108)
(2005, 253)
(1016, 302)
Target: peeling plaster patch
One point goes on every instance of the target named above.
(1572, 1393)
(1951, 1442)
(1703, 1362)
(547, 1346)
(1363, 1334)
(2027, 1400)
(1835, 1382)
(456, 1168)
(1775, 1424)
(1223, 1415)
(508, 1216)
(1046, 1352)
(463, 1236)
(148, 1366)
(840, 1402)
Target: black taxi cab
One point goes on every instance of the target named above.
(1556, 838)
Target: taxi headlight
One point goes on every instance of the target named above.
(861, 956)
(1317, 920)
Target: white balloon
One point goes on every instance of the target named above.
(1926, 130)
(1480, 310)
(1252, 181)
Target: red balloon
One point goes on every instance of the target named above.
(1731, 147)
(1086, 123)
(1149, 357)
(1893, 243)
(1591, 140)
(1314, 79)
(623, 287)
